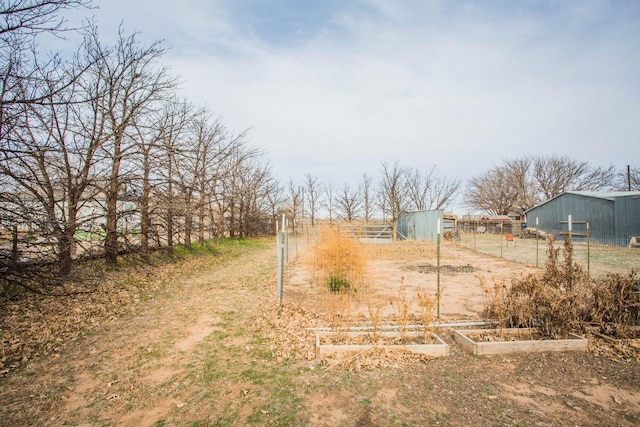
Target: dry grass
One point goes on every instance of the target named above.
(401, 305)
(427, 308)
(599, 260)
(338, 266)
(400, 250)
(340, 262)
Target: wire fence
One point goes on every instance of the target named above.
(594, 257)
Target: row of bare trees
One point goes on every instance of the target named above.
(519, 184)
(515, 185)
(102, 140)
(399, 189)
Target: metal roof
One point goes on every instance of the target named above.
(609, 195)
(605, 195)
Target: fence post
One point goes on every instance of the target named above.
(588, 251)
(475, 237)
(280, 245)
(438, 267)
(537, 242)
(501, 242)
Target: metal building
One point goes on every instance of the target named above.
(423, 225)
(608, 217)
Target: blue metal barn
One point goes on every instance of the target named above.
(610, 217)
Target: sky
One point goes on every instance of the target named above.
(334, 88)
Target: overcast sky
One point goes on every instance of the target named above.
(333, 88)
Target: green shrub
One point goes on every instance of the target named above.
(338, 284)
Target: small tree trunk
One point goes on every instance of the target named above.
(64, 253)
(111, 241)
(201, 217)
(144, 209)
(15, 252)
(188, 225)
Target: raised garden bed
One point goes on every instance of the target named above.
(496, 341)
(328, 343)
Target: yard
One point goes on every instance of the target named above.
(598, 259)
(204, 343)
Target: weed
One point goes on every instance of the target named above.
(374, 316)
(426, 306)
(632, 418)
(338, 284)
(401, 306)
(339, 310)
(494, 301)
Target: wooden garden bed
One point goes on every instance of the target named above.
(329, 343)
(496, 341)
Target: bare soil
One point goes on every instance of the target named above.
(406, 270)
(209, 348)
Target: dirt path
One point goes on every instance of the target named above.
(139, 369)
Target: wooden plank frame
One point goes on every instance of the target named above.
(573, 343)
(437, 349)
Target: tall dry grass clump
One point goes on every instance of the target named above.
(340, 262)
(339, 265)
(565, 299)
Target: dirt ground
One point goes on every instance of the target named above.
(408, 269)
(210, 349)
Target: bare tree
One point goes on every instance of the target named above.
(392, 193)
(429, 190)
(275, 200)
(503, 189)
(313, 194)
(443, 190)
(192, 165)
(49, 159)
(524, 192)
(46, 157)
(253, 184)
(519, 184)
(417, 189)
(127, 81)
(328, 199)
(349, 203)
(172, 128)
(223, 181)
(367, 198)
(22, 79)
(294, 202)
(556, 174)
(23, 19)
(158, 141)
(634, 179)
(629, 179)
